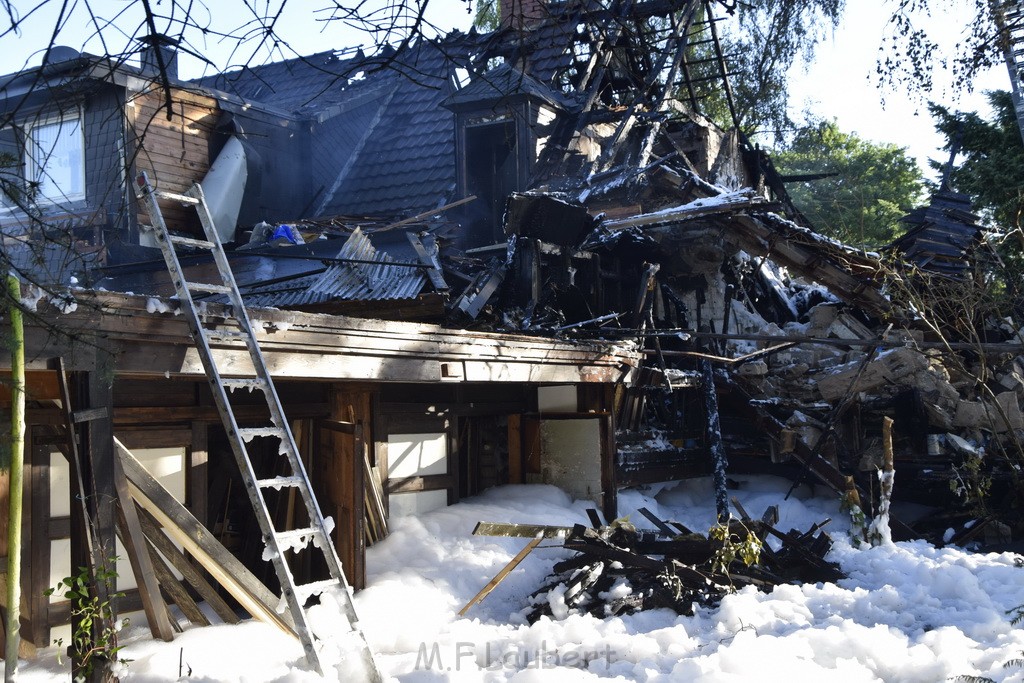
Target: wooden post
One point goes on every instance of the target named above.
(17, 480)
(609, 483)
(345, 477)
(138, 555)
(198, 472)
(94, 390)
(880, 532)
(715, 445)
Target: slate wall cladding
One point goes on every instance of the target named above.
(280, 186)
(103, 125)
(100, 112)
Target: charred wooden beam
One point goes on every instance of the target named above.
(700, 208)
(520, 530)
(715, 445)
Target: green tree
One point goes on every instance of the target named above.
(873, 185)
(486, 15)
(761, 48)
(991, 154)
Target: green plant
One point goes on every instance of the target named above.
(972, 482)
(744, 546)
(858, 522)
(94, 640)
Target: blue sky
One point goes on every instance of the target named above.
(841, 82)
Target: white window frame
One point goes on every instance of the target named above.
(31, 150)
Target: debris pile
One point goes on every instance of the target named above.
(620, 569)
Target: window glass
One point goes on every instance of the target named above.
(10, 166)
(55, 155)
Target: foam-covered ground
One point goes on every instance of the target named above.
(907, 612)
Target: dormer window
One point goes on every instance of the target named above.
(55, 159)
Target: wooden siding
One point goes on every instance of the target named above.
(176, 152)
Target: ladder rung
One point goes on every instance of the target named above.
(223, 334)
(249, 383)
(191, 242)
(208, 287)
(305, 590)
(292, 534)
(249, 433)
(183, 198)
(278, 482)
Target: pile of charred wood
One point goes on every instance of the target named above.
(619, 569)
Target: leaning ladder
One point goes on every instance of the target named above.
(276, 542)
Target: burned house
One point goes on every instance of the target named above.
(509, 257)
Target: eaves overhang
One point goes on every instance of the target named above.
(147, 336)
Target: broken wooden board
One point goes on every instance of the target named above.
(134, 543)
(500, 576)
(179, 523)
(520, 530)
(159, 540)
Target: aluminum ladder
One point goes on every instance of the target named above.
(314, 538)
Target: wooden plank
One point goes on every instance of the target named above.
(175, 590)
(184, 114)
(158, 539)
(174, 177)
(149, 120)
(161, 151)
(256, 598)
(89, 415)
(434, 270)
(376, 513)
(173, 414)
(662, 527)
(626, 557)
(359, 455)
(39, 386)
(138, 555)
(339, 426)
(493, 583)
(508, 530)
(154, 96)
(198, 472)
(135, 439)
(430, 482)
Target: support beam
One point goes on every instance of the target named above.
(715, 444)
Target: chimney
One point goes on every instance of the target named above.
(165, 47)
(522, 14)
